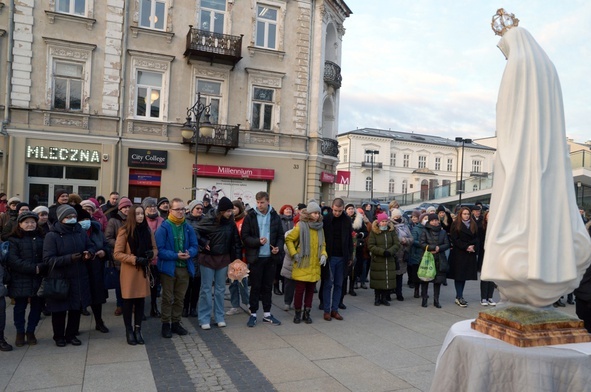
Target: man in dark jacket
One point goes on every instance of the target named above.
(61, 197)
(339, 246)
(263, 237)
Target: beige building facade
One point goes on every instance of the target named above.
(97, 92)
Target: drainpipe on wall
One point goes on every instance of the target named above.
(310, 44)
(116, 171)
(6, 120)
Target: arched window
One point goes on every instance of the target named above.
(368, 184)
(392, 186)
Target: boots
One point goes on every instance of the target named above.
(424, 303)
(185, 312)
(298, 316)
(4, 346)
(436, 303)
(306, 317)
(100, 326)
(377, 301)
(31, 339)
(20, 339)
(417, 291)
(436, 291)
(130, 336)
(138, 334)
(154, 311)
(193, 312)
(276, 289)
(166, 332)
(384, 300)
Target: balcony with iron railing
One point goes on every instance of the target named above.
(330, 147)
(332, 74)
(375, 165)
(225, 136)
(213, 47)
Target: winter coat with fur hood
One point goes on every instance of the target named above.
(383, 268)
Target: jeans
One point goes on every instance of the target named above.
(20, 308)
(209, 277)
(459, 288)
(2, 316)
(333, 283)
(237, 290)
(173, 294)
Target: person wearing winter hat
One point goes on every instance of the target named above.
(307, 248)
(444, 218)
(61, 197)
(154, 220)
(193, 217)
(287, 221)
(406, 240)
(25, 261)
(163, 207)
(96, 267)
(207, 207)
(223, 245)
(416, 252)
(12, 223)
(92, 207)
(383, 245)
(113, 225)
(359, 234)
(434, 239)
(43, 214)
(68, 241)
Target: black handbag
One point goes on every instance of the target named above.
(111, 275)
(54, 287)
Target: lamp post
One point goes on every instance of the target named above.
(461, 190)
(192, 129)
(579, 188)
(373, 154)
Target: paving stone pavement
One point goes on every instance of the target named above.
(376, 348)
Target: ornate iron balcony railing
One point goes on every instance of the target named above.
(330, 147)
(332, 74)
(214, 47)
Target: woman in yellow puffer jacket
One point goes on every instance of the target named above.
(307, 247)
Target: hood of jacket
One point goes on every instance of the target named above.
(375, 227)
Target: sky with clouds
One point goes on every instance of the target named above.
(432, 66)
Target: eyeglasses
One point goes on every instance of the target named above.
(177, 209)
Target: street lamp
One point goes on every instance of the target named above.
(191, 130)
(461, 190)
(373, 154)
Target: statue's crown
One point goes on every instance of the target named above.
(503, 21)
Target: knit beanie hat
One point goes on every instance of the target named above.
(74, 199)
(225, 204)
(431, 210)
(59, 192)
(124, 202)
(382, 217)
(83, 214)
(395, 213)
(149, 202)
(162, 200)
(39, 209)
(13, 200)
(312, 207)
(64, 210)
(206, 198)
(88, 203)
(433, 217)
(95, 202)
(349, 205)
(423, 216)
(20, 205)
(194, 204)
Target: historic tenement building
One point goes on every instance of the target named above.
(96, 95)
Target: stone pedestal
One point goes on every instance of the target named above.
(525, 326)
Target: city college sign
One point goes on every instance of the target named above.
(63, 154)
(156, 159)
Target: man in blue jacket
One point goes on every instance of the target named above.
(177, 246)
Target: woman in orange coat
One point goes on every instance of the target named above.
(135, 247)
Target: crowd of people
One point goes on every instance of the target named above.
(180, 253)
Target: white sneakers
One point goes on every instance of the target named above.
(491, 302)
(233, 311)
(205, 326)
(222, 324)
(487, 302)
(483, 302)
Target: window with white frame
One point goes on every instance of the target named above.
(148, 94)
(476, 165)
(406, 160)
(345, 154)
(422, 161)
(404, 186)
(437, 163)
(67, 85)
(392, 159)
(153, 14)
(262, 108)
(74, 7)
(212, 15)
(266, 27)
(450, 164)
(392, 186)
(368, 184)
(211, 94)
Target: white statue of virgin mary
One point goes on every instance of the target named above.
(537, 248)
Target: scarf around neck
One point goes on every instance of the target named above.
(177, 221)
(305, 250)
